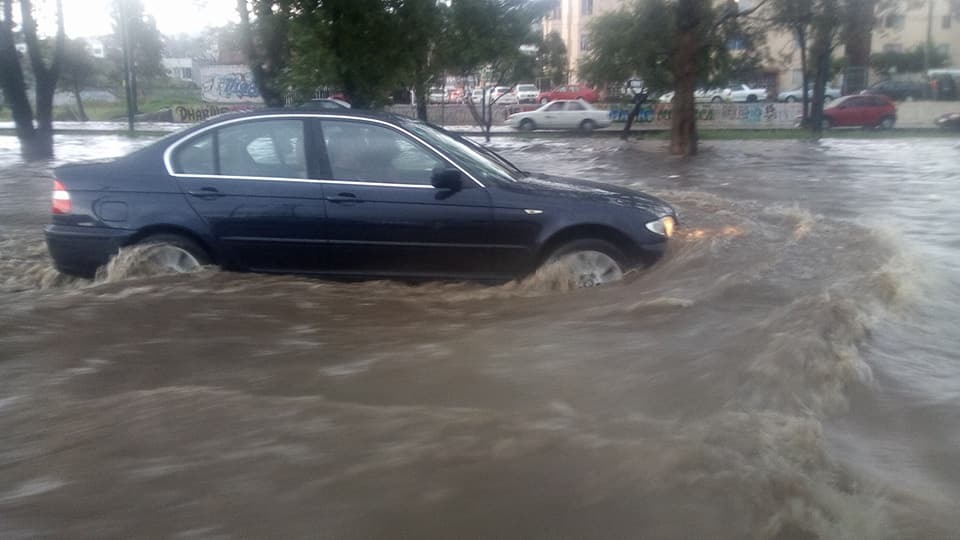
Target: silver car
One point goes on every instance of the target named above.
(561, 114)
(796, 94)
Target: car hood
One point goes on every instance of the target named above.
(556, 187)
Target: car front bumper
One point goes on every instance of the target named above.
(80, 251)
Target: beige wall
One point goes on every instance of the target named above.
(780, 46)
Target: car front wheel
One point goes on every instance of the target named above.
(544, 101)
(527, 125)
(790, 99)
(716, 99)
(589, 263)
(826, 123)
(886, 123)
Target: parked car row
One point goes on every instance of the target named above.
(737, 94)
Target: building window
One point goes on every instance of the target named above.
(946, 22)
(895, 22)
(586, 7)
(584, 41)
(893, 47)
(187, 73)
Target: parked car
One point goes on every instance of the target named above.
(711, 95)
(324, 104)
(502, 95)
(477, 95)
(437, 95)
(744, 93)
(796, 94)
(345, 194)
(561, 114)
(569, 91)
(867, 111)
(900, 90)
(949, 121)
(527, 93)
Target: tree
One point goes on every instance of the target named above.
(422, 23)
(144, 44)
(265, 43)
(912, 61)
(78, 71)
(36, 141)
(552, 59)
(674, 44)
(796, 16)
(857, 35)
(486, 38)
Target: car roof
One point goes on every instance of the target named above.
(286, 112)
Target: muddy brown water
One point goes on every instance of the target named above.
(789, 370)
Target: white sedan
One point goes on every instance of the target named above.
(745, 93)
(710, 95)
(561, 114)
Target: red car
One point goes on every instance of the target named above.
(569, 91)
(864, 110)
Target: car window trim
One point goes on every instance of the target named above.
(309, 180)
(168, 153)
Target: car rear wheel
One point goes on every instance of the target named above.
(587, 126)
(527, 125)
(827, 98)
(751, 98)
(826, 123)
(544, 101)
(886, 123)
(589, 263)
(790, 99)
(716, 99)
(173, 253)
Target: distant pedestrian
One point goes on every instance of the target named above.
(639, 96)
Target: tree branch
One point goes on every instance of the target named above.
(736, 15)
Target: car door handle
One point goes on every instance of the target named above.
(344, 198)
(206, 192)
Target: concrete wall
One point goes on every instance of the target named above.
(918, 114)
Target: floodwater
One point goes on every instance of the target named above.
(789, 370)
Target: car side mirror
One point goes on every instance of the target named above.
(451, 179)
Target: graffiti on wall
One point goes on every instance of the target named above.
(715, 115)
(228, 84)
(199, 113)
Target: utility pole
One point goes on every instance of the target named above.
(928, 46)
(125, 39)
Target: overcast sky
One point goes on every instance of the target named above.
(92, 17)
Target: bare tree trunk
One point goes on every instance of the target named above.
(266, 59)
(821, 58)
(36, 142)
(420, 93)
(804, 75)
(76, 95)
(683, 129)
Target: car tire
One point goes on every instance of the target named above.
(751, 98)
(886, 122)
(790, 99)
(826, 123)
(544, 101)
(527, 125)
(175, 253)
(716, 99)
(590, 262)
(588, 126)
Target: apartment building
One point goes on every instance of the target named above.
(901, 26)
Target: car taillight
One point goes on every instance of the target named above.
(61, 198)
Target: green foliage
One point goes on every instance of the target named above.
(911, 61)
(79, 68)
(146, 43)
(640, 40)
(552, 59)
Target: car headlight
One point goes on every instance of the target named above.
(664, 226)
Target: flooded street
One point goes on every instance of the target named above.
(789, 370)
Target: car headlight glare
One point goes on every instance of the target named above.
(664, 226)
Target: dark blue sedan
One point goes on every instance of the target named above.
(349, 195)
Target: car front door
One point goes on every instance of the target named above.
(251, 182)
(552, 115)
(385, 218)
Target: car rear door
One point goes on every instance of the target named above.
(250, 180)
(384, 218)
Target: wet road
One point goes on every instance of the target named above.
(790, 370)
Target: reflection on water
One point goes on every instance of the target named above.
(787, 371)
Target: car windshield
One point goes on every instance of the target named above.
(479, 161)
(837, 102)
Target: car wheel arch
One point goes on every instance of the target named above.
(588, 232)
(160, 229)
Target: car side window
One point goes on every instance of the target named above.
(574, 89)
(574, 106)
(366, 152)
(272, 148)
(555, 107)
(196, 156)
